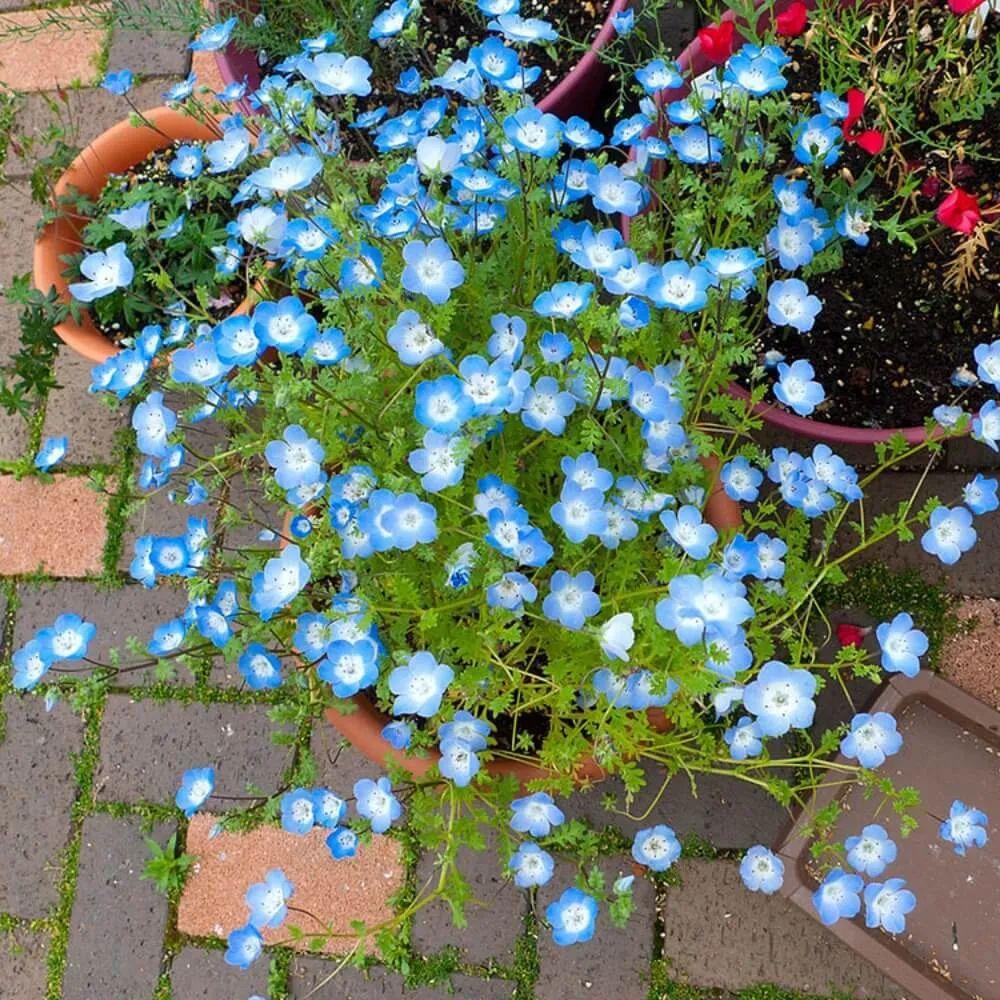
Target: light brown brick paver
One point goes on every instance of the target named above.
(54, 55)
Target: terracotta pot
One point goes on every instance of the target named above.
(115, 151)
(575, 94)
(951, 745)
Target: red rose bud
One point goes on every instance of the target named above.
(717, 41)
(870, 140)
(959, 211)
(963, 6)
(792, 20)
(851, 635)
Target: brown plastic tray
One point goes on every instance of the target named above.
(951, 750)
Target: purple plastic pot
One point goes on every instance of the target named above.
(575, 94)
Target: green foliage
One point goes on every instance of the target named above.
(167, 867)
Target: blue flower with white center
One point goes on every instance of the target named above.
(442, 405)
(419, 685)
(659, 75)
(436, 157)
(736, 265)
(376, 803)
(153, 423)
(728, 655)
(496, 8)
(468, 728)
(391, 21)
(633, 313)
(631, 278)
(267, 901)
(781, 698)
(796, 387)
(579, 512)
(349, 666)
(745, 739)
(617, 636)
(494, 60)
(571, 599)
(546, 406)
(236, 343)
(197, 785)
(412, 339)
(853, 224)
(187, 163)
(334, 74)
(510, 592)
(554, 348)
(133, 218)
(67, 638)
(53, 451)
(167, 638)
(298, 811)
(531, 866)
(762, 870)
(792, 241)
(280, 582)
(689, 531)
(650, 399)
(309, 238)
(181, 90)
(118, 82)
(229, 151)
(741, 480)
(342, 843)
(506, 525)
(409, 81)
(106, 271)
(244, 944)
(887, 904)
(535, 815)
(492, 493)
(656, 847)
(770, 557)
(438, 462)
(573, 917)
(31, 663)
(965, 827)
(739, 558)
(871, 852)
(487, 384)
(213, 625)
(535, 132)
(564, 300)
(397, 734)
(790, 304)
(259, 668)
(214, 37)
(902, 645)
(695, 605)
(838, 896)
(987, 357)
(980, 495)
(817, 138)
(290, 172)
(523, 29)
(678, 285)
(758, 75)
(431, 270)
(580, 134)
(285, 325)
(986, 424)
(411, 522)
(695, 145)
(872, 738)
(831, 105)
(459, 762)
(506, 343)
(613, 192)
(725, 699)
(792, 198)
(949, 535)
(601, 251)
(297, 459)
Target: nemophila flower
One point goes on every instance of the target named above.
(838, 896)
(745, 739)
(695, 145)
(296, 459)
(571, 599)
(789, 303)
(612, 191)
(153, 423)
(348, 667)
(573, 917)
(796, 387)
(466, 727)
(431, 270)
(617, 636)
(762, 870)
(872, 738)
(290, 172)
(523, 29)
(531, 866)
(781, 698)
(687, 528)
(510, 592)
(117, 82)
(854, 224)
(196, 789)
(281, 580)
(188, 162)
(580, 134)
(756, 74)
(438, 462)
(67, 638)
(397, 734)
(633, 313)
(656, 847)
(659, 75)
(412, 339)
(229, 151)
(390, 21)
(31, 663)
(579, 512)
(419, 685)
(181, 90)
(678, 285)
(792, 241)
(987, 358)
(376, 803)
(267, 901)
(284, 325)
(342, 843)
(443, 405)
(902, 645)
(535, 815)
(244, 944)
(309, 238)
(986, 424)
(965, 827)
(739, 558)
(106, 271)
(564, 300)
(259, 668)
(817, 138)
(334, 74)
(411, 522)
(214, 37)
(792, 198)
(236, 343)
(52, 451)
(167, 638)
(949, 535)
(546, 406)
(585, 472)
(133, 218)
(298, 811)
(696, 605)
(980, 495)
(459, 762)
(728, 655)
(741, 480)
(506, 342)
(535, 132)
(887, 904)
(871, 852)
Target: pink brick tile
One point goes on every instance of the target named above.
(207, 70)
(54, 55)
(337, 892)
(58, 527)
(970, 658)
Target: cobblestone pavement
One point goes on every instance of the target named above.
(83, 786)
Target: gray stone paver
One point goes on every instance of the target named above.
(718, 934)
(197, 974)
(146, 746)
(338, 764)
(614, 962)
(23, 965)
(350, 984)
(118, 918)
(152, 50)
(36, 792)
(155, 514)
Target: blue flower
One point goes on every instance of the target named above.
(52, 451)
(310, 238)
(792, 198)
(546, 406)
(980, 495)
(298, 811)
(153, 423)
(817, 138)
(412, 339)
(296, 459)
(409, 81)
(494, 60)
(796, 388)
(376, 803)
(390, 21)
(443, 405)
(349, 666)
(67, 638)
(235, 341)
(950, 534)
(280, 582)
(196, 789)
(887, 904)
(466, 727)
(510, 592)
(107, 271)
(571, 599)
(244, 944)
(695, 605)
(214, 37)
(419, 685)
(573, 917)
(459, 762)
(167, 638)
(118, 82)
(333, 73)
(965, 827)
(290, 172)
(757, 74)
(181, 90)
(133, 218)
(762, 870)
(579, 512)
(986, 424)
(658, 75)
(871, 852)
(695, 145)
(187, 163)
(397, 734)
(838, 896)
(872, 738)
(656, 847)
(988, 362)
(689, 531)
(792, 240)
(229, 151)
(677, 285)
(790, 303)
(535, 815)
(523, 29)
(267, 901)
(745, 739)
(781, 698)
(342, 843)
(853, 224)
(623, 21)
(532, 131)
(431, 270)
(31, 663)
(614, 192)
(580, 134)
(260, 669)
(741, 480)
(531, 866)
(902, 645)
(285, 324)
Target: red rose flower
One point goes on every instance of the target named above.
(870, 140)
(792, 20)
(959, 211)
(718, 41)
(851, 635)
(963, 6)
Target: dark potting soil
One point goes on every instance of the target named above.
(894, 326)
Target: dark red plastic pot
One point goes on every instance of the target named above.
(575, 94)
(951, 750)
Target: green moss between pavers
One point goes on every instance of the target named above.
(662, 987)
